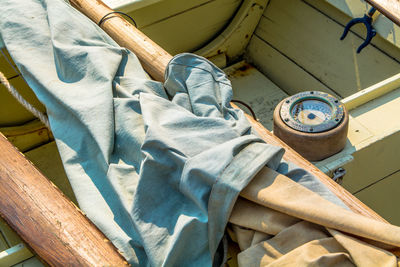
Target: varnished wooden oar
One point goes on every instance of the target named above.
(45, 219)
(155, 59)
(389, 8)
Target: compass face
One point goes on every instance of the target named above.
(312, 112)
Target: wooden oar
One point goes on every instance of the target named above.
(45, 219)
(155, 59)
(389, 8)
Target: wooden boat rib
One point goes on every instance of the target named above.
(21, 182)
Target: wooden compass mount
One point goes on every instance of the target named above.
(312, 146)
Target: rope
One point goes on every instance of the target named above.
(42, 117)
(104, 18)
(247, 106)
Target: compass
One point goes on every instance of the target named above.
(313, 123)
(312, 111)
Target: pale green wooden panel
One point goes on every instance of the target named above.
(372, 163)
(388, 37)
(47, 159)
(377, 156)
(32, 262)
(311, 40)
(11, 111)
(163, 10)
(27, 136)
(3, 243)
(188, 29)
(256, 90)
(129, 5)
(282, 71)
(11, 238)
(383, 197)
(14, 255)
(5, 66)
(357, 8)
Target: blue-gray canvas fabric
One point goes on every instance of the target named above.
(157, 167)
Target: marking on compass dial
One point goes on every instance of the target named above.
(312, 112)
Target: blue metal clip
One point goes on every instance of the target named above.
(366, 20)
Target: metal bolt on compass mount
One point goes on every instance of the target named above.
(338, 175)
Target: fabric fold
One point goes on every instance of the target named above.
(306, 233)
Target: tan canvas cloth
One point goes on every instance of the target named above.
(278, 222)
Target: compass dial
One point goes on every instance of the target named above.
(311, 112)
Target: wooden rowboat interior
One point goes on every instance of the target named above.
(270, 49)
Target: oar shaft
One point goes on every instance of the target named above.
(389, 8)
(154, 59)
(45, 219)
